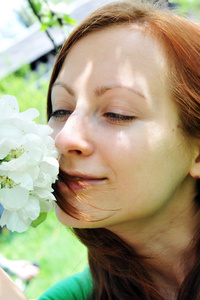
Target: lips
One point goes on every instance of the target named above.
(77, 183)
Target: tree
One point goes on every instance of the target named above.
(48, 18)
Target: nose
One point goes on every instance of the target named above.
(75, 136)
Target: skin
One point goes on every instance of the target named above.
(8, 289)
(145, 166)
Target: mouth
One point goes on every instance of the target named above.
(78, 183)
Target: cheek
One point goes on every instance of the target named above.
(56, 128)
(131, 146)
(59, 213)
(63, 217)
(53, 134)
(147, 151)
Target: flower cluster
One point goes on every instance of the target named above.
(28, 167)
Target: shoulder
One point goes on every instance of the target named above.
(75, 287)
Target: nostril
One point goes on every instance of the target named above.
(76, 151)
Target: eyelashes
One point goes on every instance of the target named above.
(112, 117)
(60, 114)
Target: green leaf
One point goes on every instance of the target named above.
(69, 20)
(39, 220)
(43, 27)
(37, 5)
(49, 20)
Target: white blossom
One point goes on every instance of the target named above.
(28, 167)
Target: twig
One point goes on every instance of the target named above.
(40, 20)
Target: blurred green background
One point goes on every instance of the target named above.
(52, 246)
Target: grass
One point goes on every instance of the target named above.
(51, 245)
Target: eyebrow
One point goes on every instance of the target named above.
(68, 89)
(99, 91)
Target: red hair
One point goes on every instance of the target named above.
(118, 272)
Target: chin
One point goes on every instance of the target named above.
(62, 216)
(68, 220)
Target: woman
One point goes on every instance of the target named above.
(124, 105)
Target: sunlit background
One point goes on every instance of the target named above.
(11, 27)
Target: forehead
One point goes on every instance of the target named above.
(120, 40)
(120, 54)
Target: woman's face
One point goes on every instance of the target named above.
(117, 130)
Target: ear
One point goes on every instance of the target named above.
(195, 168)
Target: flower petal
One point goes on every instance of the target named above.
(13, 221)
(14, 198)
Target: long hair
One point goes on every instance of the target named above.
(118, 272)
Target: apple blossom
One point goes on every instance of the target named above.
(28, 167)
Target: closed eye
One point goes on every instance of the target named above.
(114, 117)
(60, 114)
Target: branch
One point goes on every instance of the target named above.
(40, 20)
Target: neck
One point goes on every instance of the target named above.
(167, 239)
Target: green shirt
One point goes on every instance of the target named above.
(75, 287)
